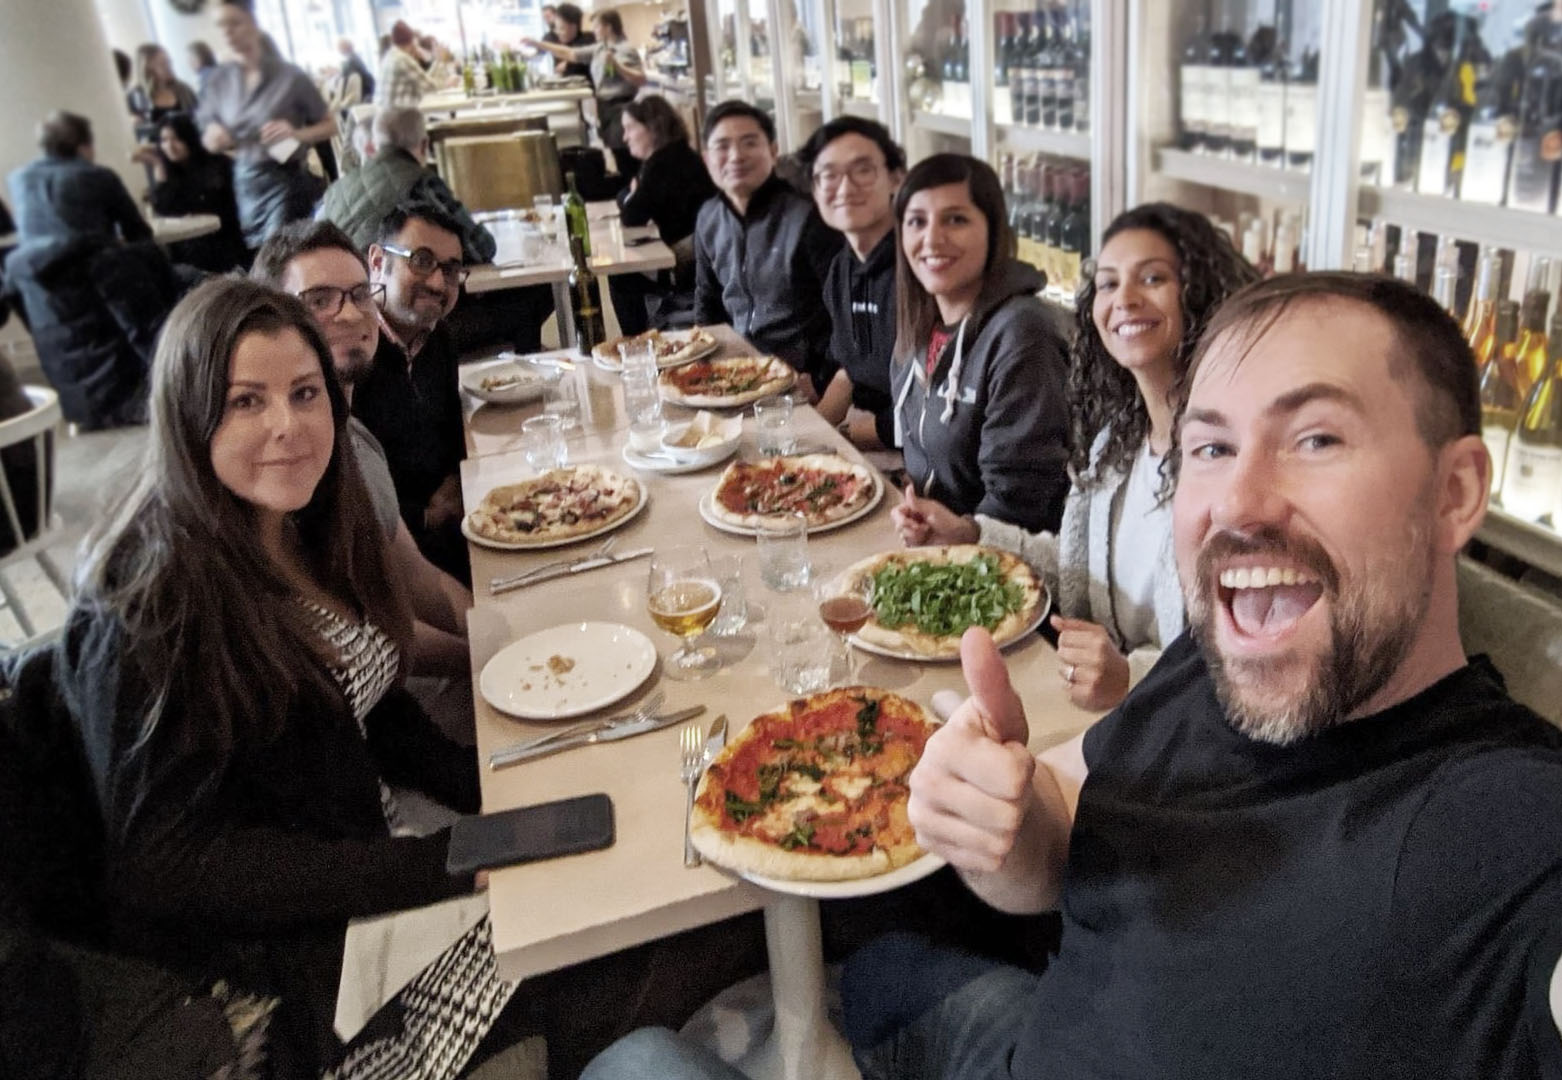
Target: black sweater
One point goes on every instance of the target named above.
(860, 294)
(254, 877)
(672, 185)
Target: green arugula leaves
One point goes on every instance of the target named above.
(944, 599)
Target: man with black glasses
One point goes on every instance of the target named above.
(760, 250)
(409, 399)
(317, 262)
(856, 168)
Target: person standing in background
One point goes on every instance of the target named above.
(403, 80)
(773, 296)
(353, 63)
(157, 93)
(266, 114)
(565, 29)
(204, 62)
(855, 168)
(616, 74)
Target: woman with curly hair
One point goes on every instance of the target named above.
(1161, 274)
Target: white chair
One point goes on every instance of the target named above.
(41, 425)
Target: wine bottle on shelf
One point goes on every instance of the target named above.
(1492, 129)
(575, 221)
(1445, 283)
(1048, 67)
(1532, 484)
(1301, 112)
(1033, 62)
(1446, 127)
(1500, 398)
(1063, 72)
(1027, 181)
(1217, 84)
(1479, 319)
(1001, 32)
(1531, 352)
(1242, 108)
(1080, 66)
(1074, 234)
(586, 300)
(1269, 96)
(1192, 75)
(1050, 222)
(1288, 238)
(1019, 68)
(1538, 145)
(862, 62)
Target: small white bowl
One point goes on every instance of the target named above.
(720, 438)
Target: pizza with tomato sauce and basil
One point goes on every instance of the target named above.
(825, 488)
(816, 790)
(726, 383)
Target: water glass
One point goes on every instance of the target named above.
(773, 425)
(637, 356)
(542, 441)
(783, 551)
(733, 615)
(642, 404)
(563, 399)
(802, 649)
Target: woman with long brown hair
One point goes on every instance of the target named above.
(1147, 297)
(234, 659)
(157, 91)
(977, 373)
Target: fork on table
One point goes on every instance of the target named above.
(691, 757)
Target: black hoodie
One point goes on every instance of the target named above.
(860, 294)
(988, 433)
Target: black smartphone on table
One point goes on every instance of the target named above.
(529, 833)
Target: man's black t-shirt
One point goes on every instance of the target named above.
(1381, 900)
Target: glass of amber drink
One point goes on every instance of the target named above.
(845, 608)
(683, 596)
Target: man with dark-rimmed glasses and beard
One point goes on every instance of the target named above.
(1315, 841)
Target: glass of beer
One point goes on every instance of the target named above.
(683, 596)
(845, 607)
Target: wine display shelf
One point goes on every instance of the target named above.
(1026, 139)
(1535, 544)
(1494, 225)
(1276, 185)
(957, 126)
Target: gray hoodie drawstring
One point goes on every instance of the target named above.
(952, 385)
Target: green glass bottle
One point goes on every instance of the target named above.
(586, 299)
(575, 216)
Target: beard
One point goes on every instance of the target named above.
(354, 365)
(1372, 625)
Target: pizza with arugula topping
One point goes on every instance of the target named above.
(815, 790)
(726, 383)
(825, 488)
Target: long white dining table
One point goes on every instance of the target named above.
(548, 915)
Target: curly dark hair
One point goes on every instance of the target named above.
(1101, 391)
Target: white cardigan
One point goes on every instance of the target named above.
(1076, 563)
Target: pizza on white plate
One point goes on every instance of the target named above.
(815, 790)
(924, 599)
(726, 383)
(671, 347)
(825, 487)
(557, 505)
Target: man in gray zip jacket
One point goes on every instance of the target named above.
(760, 250)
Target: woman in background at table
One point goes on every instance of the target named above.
(187, 179)
(978, 370)
(670, 188)
(157, 93)
(1161, 274)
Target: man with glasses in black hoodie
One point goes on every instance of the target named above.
(856, 168)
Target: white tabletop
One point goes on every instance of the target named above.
(614, 250)
(165, 230)
(563, 911)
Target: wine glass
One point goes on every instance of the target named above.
(683, 596)
(845, 606)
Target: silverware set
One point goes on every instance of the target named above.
(694, 755)
(588, 733)
(600, 556)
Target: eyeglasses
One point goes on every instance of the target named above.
(327, 301)
(424, 262)
(861, 173)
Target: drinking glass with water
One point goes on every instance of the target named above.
(542, 442)
(783, 551)
(773, 426)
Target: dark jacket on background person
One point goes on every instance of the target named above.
(203, 185)
(860, 294)
(353, 65)
(94, 308)
(764, 273)
(564, 69)
(363, 198)
(672, 186)
(249, 871)
(56, 198)
(988, 433)
(140, 103)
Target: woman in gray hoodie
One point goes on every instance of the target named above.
(978, 371)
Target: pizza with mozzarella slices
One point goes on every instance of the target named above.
(726, 383)
(815, 790)
(825, 488)
(557, 505)
(670, 347)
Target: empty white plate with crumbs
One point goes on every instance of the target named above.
(567, 670)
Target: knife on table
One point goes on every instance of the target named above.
(586, 738)
(548, 573)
